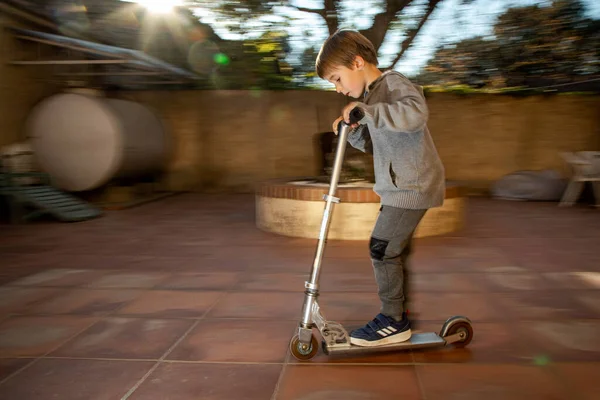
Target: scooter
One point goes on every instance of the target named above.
(456, 330)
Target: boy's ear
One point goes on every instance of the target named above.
(359, 63)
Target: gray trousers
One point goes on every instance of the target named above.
(390, 248)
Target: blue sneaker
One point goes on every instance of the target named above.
(381, 331)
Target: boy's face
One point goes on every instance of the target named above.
(348, 81)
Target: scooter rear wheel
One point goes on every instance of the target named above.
(301, 351)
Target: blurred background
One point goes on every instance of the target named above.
(273, 44)
(176, 95)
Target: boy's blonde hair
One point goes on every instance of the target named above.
(341, 48)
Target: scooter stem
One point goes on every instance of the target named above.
(330, 199)
(312, 286)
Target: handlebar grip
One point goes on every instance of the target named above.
(356, 115)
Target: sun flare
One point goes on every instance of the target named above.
(159, 6)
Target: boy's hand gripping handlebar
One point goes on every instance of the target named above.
(355, 115)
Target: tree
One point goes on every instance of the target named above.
(250, 64)
(245, 11)
(470, 62)
(382, 22)
(532, 46)
(306, 69)
(546, 43)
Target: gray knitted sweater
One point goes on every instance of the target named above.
(408, 171)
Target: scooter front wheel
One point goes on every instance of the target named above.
(303, 351)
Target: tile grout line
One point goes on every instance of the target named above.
(17, 372)
(280, 379)
(96, 320)
(115, 312)
(281, 374)
(170, 349)
(286, 363)
(165, 317)
(299, 364)
(48, 352)
(419, 381)
(158, 362)
(143, 290)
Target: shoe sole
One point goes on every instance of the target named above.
(398, 338)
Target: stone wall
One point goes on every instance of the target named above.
(481, 138)
(233, 139)
(229, 140)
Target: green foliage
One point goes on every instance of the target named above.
(247, 17)
(533, 46)
(471, 62)
(549, 42)
(257, 63)
(236, 13)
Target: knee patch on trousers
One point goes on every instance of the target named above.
(377, 248)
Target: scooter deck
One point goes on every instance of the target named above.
(417, 341)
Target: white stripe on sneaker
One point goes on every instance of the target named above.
(399, 337)
(382, 333)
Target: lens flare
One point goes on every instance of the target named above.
(221, 59)
(541, 360)
(159, 6)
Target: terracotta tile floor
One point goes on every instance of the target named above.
(185, 299)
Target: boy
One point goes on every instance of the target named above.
(409, 176)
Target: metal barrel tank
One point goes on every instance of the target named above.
(83, 141)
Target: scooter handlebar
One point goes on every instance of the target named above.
(355, 115)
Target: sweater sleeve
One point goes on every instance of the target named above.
(360, 139)
(404, 111)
